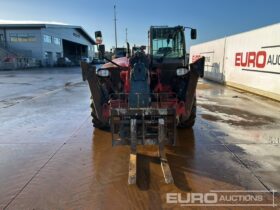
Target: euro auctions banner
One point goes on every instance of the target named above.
(256, 51)
(249, 60)
(266, 60)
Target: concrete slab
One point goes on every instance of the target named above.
(18, 164)
(88, 172)
(262, 160)
(64, 163)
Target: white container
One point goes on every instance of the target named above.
(213, 52)
(249, 61)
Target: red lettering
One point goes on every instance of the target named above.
(238, 59)
(244, 64)
(251, 59)
(261, 59)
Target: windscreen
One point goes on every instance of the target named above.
(167, 42)
(120, 52)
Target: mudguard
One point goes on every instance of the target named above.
(89, 74)
(196, 71)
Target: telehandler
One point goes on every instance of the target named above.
(143, 98)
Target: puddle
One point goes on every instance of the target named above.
(235, 116)
(12, 101)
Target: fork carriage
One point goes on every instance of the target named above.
(153, 125)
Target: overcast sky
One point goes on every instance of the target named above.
(212, 18)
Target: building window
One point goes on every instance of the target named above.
(1, 37)
(47, 39)
(49, 58)
(57, 41)
(14, 39)
(22, 38)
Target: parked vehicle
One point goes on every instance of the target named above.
(85, 59)
(64, 62)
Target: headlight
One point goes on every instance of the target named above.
(103, 72)
(182, 71)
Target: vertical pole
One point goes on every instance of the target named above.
(126, 35)
(115, 21)
(224, 57)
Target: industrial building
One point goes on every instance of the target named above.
(45, 42)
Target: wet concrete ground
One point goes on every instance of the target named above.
(52, 158)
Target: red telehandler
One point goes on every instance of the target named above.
(143, 98)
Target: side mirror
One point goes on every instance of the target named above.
(98, 37)
(98, 34)
(193, 33)
(101, 49)
(128, 53)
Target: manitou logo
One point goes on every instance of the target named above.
(258, 59)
